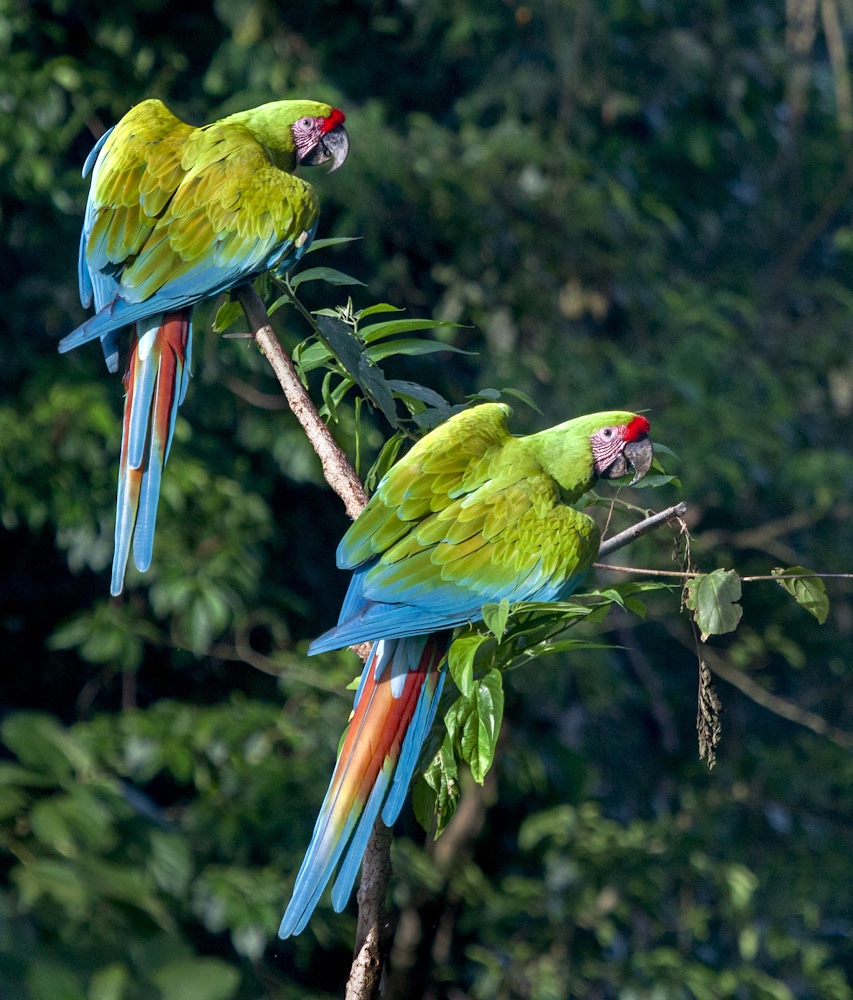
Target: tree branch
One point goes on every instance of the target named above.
(339, 474)
(371, 943)
(692, 574)
(641, 528)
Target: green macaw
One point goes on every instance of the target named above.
(175, 215)
(469, 516)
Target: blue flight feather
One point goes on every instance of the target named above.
(146, 518)
(343, 884)
(410, 752)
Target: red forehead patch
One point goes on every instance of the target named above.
(335, 118)
(637, 427)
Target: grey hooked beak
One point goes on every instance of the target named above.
(639, 454)
(333, 146)
(636, 455)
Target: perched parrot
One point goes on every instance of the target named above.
(175, 215)
(469, 516)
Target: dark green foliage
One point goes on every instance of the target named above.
(641, 205)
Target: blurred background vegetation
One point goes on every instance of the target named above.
(640, 203)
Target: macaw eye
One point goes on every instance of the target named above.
(608, 432)
(305, 123)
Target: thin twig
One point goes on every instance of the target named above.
(651, 681)
(339, 474)
(263, 400)
(679, 575)
(641, 528)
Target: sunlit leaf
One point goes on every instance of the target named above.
(328, 274)
(378, 352)
(474, 723)
(109, 982)
(229, 312)
(808, 591)
(436, 793)
(380, 307)
(387, 328)
(313, 356)
(713, 598)
(495, 617)
(197, 979)
(460, 660)
(330, 241)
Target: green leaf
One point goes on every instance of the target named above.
(495, 616)
(330, 241)
(562, 645)
(436, 793)
(387, 328)
(411, 389)
(636, 606)
(809, 593)
(326, 392)
(380, 307)
(48, 981)
(460, 660)
(313, 356)
(43, 745)
(378, 352)
(229, 312)
(384, 461)
(474, 723)
(327, 274)
(713, 599)
(661, 449)
(348, 351)
(651, 481)
(108, 983)
(522, 396)
(197, 979)
(433, 416)
(14, 774)
(329, 409)
(282, 300)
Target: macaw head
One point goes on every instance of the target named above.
(617, 447)
(596, 446)
(298, 132)
(320, 138)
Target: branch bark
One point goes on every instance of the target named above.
(339, 474)
(369, 956)
(641, 528)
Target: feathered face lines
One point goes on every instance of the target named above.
(616, 449)
(321, 139)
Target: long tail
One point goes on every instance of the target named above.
(395, 706)
(158, 371)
